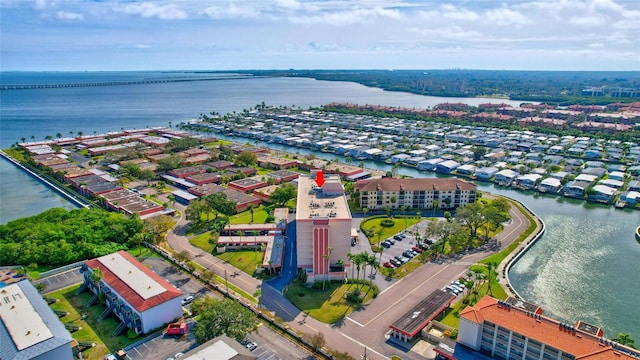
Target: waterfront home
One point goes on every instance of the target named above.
(603, 193)
(528, 181)
(586, 178)
(414, 161)
(466, 170)
(550, 185)
(505, 177)
(399, 158)
(631, 198)
(429, 165)
(616, 184)
(446, 167)
(576, 188)
(634, 185)
(486, 173)
(560, 175)
(617, 175)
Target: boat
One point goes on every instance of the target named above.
(638, 233)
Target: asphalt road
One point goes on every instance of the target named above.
(365, 328)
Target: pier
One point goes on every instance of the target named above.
(69, 195)
(119, 83)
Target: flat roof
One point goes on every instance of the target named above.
(313, 203)
(426, 310)
(129, 273)
(24, 324)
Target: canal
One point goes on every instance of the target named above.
(585, 267)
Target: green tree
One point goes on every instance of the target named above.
(147, 175)
(219, 317)
(472, 217)
(96, 277)
(220, 204)
(624, 339)
(169, 163)
(478, 152)
(158, 226)
(283, 194)
(247, 158)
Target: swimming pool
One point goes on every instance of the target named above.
(2, 284)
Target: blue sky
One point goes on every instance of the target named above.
(319, 34)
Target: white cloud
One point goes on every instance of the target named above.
(454, 13)
(506, 17)
(152, 10)
(143, 46)
(67, 15)
(349, 17)
(231, 11)
(448, 32)
(596, 45)
(589, 20)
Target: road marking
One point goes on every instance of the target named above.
(409, 293)
(369, 349)
(353, 321)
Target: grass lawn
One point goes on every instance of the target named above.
(328, 306)
(93, 329)
(141, 252)
(401, 223)
(247, 261)
(202, 241)
(259, 216)
(452, 317)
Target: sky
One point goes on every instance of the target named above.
(85, 35)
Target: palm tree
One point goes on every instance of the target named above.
(96, 277)
(251, 207)
(379, 233)
(23, 139)
(59, 135)
(327, 257)
(352, 260)
(371, 261)
(358, 261)
(492, 266)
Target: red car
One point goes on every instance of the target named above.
(417, 249)
(388, 265)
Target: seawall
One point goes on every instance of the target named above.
(64, 193)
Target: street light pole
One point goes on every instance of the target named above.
(226, 283)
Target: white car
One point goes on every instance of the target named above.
(251, 345)
(187, 300)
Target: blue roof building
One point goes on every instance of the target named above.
(29, 329)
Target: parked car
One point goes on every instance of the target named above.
(385, 244)
(388, 265)
(424, 246)
(391, 241)
(251, 345)
(403, 235)
(407, 253)
(451, 290)
(395, 262)
(397, 237)
(405, 259)
(417, 249)
(187, 300)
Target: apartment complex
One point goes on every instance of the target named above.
(29, 329)
(323, 222)
(141, 299)
(415, 193)
(514, 329)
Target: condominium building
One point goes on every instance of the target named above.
(323, 228)
(514, 329)
(29, 329)
(415, 193)
(141, 299)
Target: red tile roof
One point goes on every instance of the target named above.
(420, 184)
(127, 293)
(543, 329)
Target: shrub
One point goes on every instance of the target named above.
(387, 223)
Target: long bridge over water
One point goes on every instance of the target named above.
(118, 83)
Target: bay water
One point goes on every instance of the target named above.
(585, 267)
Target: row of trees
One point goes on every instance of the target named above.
(463, 232)
(198, 212)
(58, 236)
(361, 261)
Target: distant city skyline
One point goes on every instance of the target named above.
(74, 35)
